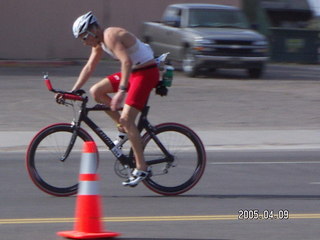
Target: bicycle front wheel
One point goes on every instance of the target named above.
(48, 165)
(187, 154)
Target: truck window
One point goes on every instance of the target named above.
(172, 17)
(217, 18)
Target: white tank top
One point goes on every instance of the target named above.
(139, 53)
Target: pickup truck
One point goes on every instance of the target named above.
(206, 37)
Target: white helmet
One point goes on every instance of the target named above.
(82, 24)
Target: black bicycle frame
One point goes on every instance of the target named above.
(104, 137)
(143, 123)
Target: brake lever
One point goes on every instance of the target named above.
(60, 99)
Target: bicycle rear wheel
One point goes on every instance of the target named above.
(43, 160)
(189, 159)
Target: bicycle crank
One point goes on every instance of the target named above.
(123, 171)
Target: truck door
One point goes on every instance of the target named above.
(171, 38)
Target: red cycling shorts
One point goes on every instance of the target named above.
(141, 83)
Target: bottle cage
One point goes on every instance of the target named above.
(161, 89)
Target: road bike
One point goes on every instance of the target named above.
(174, 152)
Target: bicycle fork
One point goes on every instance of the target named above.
(71, 143)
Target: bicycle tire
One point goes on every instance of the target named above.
(189, 159)
(46, 170)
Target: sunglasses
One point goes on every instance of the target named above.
(85, 37)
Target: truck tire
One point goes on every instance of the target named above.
(189, 66)
(255, 72)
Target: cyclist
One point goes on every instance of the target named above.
(132, 86)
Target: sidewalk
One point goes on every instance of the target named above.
(261, 139)
(213, 140)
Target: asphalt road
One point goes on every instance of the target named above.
(269, 182)
(222, 106)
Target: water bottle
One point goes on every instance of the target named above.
(167, 75)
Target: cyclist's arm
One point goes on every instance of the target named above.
(88, 69)
(116, 39)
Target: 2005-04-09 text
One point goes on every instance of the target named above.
(255, 214)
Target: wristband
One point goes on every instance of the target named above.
(123, 88)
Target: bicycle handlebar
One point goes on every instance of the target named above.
(74, 96)
(48, 84)
(71, 96)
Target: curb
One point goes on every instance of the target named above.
(39, 63)
(219, 140)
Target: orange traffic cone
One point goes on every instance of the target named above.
(88, 223)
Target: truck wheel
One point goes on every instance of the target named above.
(189, 65)
(255, 72)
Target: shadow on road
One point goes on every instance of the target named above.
(231, 196)
(255, 196)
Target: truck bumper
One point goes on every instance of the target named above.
(229, 61)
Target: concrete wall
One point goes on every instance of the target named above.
(41, 29)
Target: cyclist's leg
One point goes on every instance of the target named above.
(100, 91)
(141, 84)
(127, 120)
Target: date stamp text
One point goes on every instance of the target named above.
(255, 214)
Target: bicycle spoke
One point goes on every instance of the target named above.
(44, 159)
(187, 159)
